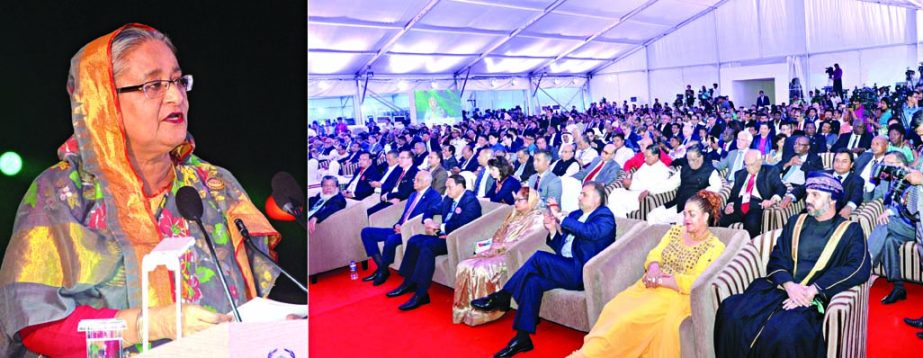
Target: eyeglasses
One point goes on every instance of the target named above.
(157, 88)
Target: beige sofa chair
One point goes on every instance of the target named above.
(335, 241)
(624, 265)
(460, 243)
(386, 218)
(845, 320)
(570, 308)
(911, 266)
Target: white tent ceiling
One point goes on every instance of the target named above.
(422, 37)
(494, 37)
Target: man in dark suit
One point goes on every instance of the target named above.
(868, 162)
(326, 203)
(795, 170)
(852, 185)
(419, 153)
(762, 100)
(448, 157)
(857, 142)
(360, 186)
(575, 238)
(468, 163)
(423, 199)
(459, 208)
(523, 167)
(431, 143)
(403, 185)
(756, 187)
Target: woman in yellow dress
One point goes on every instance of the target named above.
(486, 273)
(643, 320)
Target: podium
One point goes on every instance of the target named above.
(233, 339)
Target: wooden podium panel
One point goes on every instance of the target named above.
(241, 340)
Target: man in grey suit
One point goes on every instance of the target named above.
(603, 169)
(734, 161)
(544, 181)
(440, 175)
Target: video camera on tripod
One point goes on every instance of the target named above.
(895, 175)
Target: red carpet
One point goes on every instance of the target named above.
(889, 336)
(353, 318)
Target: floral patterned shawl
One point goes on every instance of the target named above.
(85, 223)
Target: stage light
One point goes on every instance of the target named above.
(10, 163)
(434, 85)
(402, 85)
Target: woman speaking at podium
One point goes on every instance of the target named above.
(85, 224)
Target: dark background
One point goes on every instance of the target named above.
(247, 108)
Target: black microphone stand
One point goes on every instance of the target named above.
(246, 234)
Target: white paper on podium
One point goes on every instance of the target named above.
(264, 310)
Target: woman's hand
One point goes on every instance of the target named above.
(162, 321)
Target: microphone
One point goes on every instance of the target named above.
(287, 193)
(190, 207)
(246, 234)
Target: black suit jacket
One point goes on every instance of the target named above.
(865, 141)
(505, 195)
(853, 187)
(527, 171)
(468, 209)
(336, 203)
(762, 101)
(812, 163)
(363, 188)
(472, 164)
(590, 237)
(405, 186)
(419, 159)
(768, 182)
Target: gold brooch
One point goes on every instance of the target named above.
(215, 184)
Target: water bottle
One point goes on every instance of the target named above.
(353, 274)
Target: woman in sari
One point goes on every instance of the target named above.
(643, 320)
(85, 224)
(487, 272)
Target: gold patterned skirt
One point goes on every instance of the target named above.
(477, 277)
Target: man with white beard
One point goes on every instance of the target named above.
(651, 178)
(327, 202)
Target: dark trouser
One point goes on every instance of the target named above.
(371, 236)
(419, 261)
(542, 272)
(838, 87)
(753, 220)
(378, 207)
(885, 243)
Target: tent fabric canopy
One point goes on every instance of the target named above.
(421, 37)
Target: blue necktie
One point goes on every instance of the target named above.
(477, 183)
(451, 211)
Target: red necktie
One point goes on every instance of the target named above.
(592, 174)
(745, 207)
(403, 171)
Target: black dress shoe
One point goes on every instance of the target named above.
(371, 277)
(414, 302)
(494, 301)
(403, 289)
(915, 323)
(897, 294)
(517, 345)
(382, 277)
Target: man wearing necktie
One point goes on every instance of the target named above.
(403, 186)
(857, 142)
(544, 182)
(360, 186)
(755, 189)
(422, 199)
(575, 239)
(459, 208)
(734, 161)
